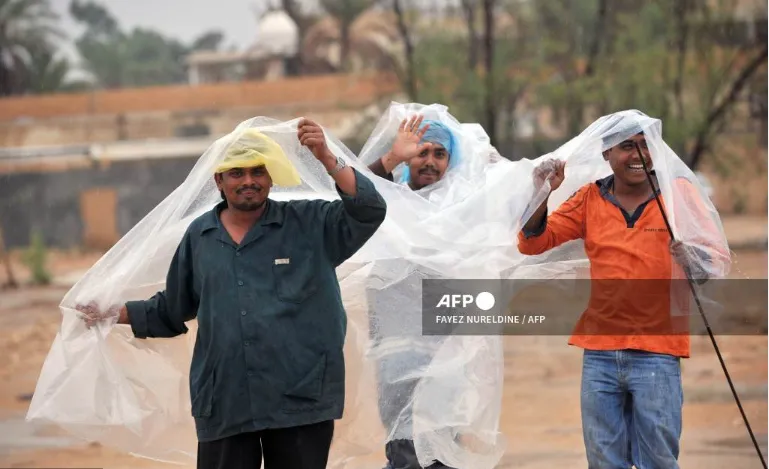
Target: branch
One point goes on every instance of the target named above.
(717, 113)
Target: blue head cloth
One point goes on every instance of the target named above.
(440, 134)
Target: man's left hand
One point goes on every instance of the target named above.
(311, 135)
(685, 256)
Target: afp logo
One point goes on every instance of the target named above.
(484, 301)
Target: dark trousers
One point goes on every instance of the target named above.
(396, 395)
(304, 447)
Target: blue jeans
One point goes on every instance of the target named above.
(631, 409)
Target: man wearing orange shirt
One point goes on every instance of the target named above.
(632, 398)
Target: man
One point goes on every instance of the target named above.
(631, 382)
(428, 152)
(267, 373)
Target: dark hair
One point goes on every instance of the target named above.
(221, 192)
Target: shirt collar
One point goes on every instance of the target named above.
(606, 183)
(273, 214)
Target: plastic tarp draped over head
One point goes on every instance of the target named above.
(692, 218)
(131, 394)
(443, 392)
(105, 385)
(691, 214)
(439, 395)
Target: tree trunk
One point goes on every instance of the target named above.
(410, 72)
(6, 258)
(292, 10)
(600, 31)
(488, 44)
(344, 43)
(681, 9)
(472, 35)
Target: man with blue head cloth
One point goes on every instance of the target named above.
(428, 151)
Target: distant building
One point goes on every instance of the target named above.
(268, 59)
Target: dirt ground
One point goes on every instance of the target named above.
(541, 419)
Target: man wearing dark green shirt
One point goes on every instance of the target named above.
(267, 374)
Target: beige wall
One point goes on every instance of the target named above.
(156, 112)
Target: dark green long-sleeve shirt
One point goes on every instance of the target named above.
(271, 325)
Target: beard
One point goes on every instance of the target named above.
(248, 206)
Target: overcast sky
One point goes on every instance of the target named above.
(186, 19)
(182, 19)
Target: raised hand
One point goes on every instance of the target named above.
(551, 171)
(406, 145)
(311, 135)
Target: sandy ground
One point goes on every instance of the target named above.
(540, 421)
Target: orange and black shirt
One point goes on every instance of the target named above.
(631, 268)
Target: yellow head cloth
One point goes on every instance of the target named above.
(252, 149)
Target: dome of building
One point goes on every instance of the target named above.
(277, 34)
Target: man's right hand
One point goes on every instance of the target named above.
(406, 145)
(93, 315)
(551, 171)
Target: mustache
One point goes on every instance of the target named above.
(428, 169)
(254, 187)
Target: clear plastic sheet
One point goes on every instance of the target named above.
(444, 393)
(691, 214)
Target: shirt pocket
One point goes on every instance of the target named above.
(295, 275)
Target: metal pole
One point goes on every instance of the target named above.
(702, 312)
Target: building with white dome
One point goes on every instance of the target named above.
(269, 58)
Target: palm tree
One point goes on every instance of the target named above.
(370, 41)
(345, 13)
(45, 72)
(24, 26)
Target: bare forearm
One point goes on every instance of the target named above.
(537, 217)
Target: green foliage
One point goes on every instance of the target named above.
(45, 73)
(35, 260)
(26, 26)
(589, 58)
(141, 57)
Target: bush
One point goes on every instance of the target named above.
(35, 260)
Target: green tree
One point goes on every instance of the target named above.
(141, 57)
(25, 26)
(45, 73)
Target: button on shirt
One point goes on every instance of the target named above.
(271, 324)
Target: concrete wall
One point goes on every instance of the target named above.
(51, 202)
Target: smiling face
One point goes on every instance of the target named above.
(429, 167)
(245, 189)
(625, 162)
